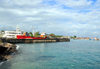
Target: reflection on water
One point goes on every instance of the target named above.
(77, 54)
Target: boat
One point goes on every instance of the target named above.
(29, 37)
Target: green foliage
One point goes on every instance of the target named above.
(37, 34)
(2, 30)
(59, 36)
(73, 37)
(52, 35)
(30, 33)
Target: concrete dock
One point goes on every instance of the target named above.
(10, 40)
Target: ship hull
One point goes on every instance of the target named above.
(29, 37)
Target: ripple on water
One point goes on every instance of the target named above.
(77, 54)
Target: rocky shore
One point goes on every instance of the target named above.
(6, 49)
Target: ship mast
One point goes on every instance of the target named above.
(33, 30)
(17, 28)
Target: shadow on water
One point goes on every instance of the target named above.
(7, 64)
(45, 58)
(40, 58)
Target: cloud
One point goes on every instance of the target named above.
(21, 2)
(82, 18)
(76, 3)
(25, 2)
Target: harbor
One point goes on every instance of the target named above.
(49, 34)
(18, 36)
(10, 39)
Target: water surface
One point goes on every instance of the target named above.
(77, 54)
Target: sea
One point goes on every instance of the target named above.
(76, 54)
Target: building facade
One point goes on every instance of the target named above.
(12, 34)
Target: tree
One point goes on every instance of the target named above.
(37, 34)
(31, 34)
(59, 36)
(75, 36)
(52, 35)
(2, 30)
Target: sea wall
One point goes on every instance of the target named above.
(34, 40)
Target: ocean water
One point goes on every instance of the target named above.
(76, 54)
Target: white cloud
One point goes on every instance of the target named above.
(56, 19)
(22, 2)
(76, 3)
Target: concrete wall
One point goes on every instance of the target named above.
(33, 40)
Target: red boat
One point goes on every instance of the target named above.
(29, 37)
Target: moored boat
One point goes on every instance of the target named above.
(29, 37)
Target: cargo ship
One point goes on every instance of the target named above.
(29, 37)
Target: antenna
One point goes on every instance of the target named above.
(33, 30)
(17, 28)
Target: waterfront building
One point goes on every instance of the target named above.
(12, 34)
(96, 38)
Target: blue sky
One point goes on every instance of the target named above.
(64, 17)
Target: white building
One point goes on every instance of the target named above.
(12, 34)
(43, 34)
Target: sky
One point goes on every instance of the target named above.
(62, 17)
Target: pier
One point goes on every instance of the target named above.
(14, 40)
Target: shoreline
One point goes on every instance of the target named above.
(6, 51)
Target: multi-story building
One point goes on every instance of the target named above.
(12, 34)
